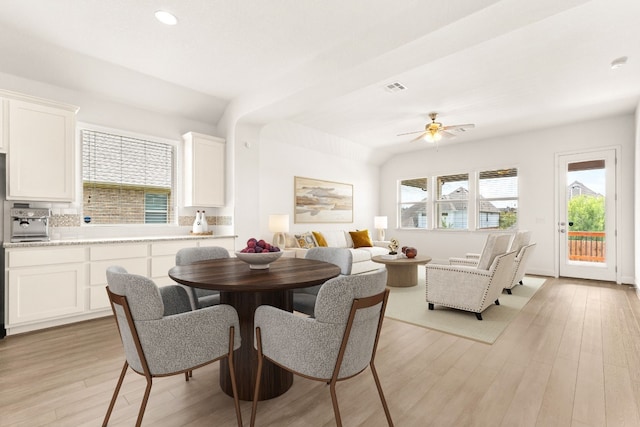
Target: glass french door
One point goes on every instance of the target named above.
(587, 217)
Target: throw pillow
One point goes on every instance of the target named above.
(320, 238)
(306, 240)
(361, 239)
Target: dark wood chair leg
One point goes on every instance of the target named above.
(115, 394)
(256, 392)
(497, 302)
(478, 316)
(334, 401)
(384, 402)
(508, 291)
(145, 399)
(430, 306)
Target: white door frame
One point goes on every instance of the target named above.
(560, 183)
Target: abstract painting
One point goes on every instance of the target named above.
(318, 201)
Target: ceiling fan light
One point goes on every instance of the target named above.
(432, 136)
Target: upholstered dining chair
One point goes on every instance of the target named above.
(162, 336)
(201, 297)
(521, 261)
(469, 288)
(335, 345)
(304, 299)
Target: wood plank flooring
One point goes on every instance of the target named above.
(570, 358)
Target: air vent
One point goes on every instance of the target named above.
(395, 87)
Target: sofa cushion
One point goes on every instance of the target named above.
(374, 250)
(320, 238)
(360, 255)
(361, 238)
(335, 239)
(306, 240)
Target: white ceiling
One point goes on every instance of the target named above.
(506, 65)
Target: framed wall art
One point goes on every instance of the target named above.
(318, 201)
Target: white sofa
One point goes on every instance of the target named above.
(340, 239)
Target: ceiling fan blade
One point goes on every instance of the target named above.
(409, 133)
(446, 134)
(419, 137)
(454, 127)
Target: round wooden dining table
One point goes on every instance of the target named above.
(245, 290)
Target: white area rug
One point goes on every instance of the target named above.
(409, 305)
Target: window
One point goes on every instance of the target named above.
(126, 180)
(497, 201)
(452, 202)
(413, 203)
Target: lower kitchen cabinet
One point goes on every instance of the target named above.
(44, 284)
(55, 285)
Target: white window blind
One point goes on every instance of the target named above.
(119, 173)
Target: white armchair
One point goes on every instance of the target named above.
(520, 266)
(469, 288)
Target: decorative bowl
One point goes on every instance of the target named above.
(258, 261)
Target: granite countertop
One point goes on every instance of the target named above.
(109, 240)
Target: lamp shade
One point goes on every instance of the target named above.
(379, 222)
(279, 223)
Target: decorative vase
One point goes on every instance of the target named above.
(203, 222)
(197, 224)
(411, 252)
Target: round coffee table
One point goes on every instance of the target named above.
(402, 272)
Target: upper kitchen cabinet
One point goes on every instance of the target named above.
(204, 172)
(41, 161)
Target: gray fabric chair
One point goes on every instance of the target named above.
(337, 344)
(520, 266)
(161, 336)
(201, 298)
(468, 288)
(304, 299)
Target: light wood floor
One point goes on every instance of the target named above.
(570, 358)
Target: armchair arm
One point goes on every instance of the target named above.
(463, 261)
(188, 339)
(456, 286)
(299, 343)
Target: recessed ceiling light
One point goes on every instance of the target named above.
(166, 17)
(618, 62)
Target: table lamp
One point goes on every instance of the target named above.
(279, 224)
(380, 223)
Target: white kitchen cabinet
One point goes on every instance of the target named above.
(133, 257)
(41, 161)
(204, 170)
(163, 257)
(4, 128)
(44, 284)
(59, 284)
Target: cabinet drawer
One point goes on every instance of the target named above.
(98, 298)
(33, 256)
(171, 248)
(98, 274)
(224, 242)
(118, 251)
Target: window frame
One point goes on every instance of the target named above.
(175, 179)
(440, 201)
(473, 201)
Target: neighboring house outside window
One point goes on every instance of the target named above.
(413, 203)
(126, 180)
(497, 200)
(452, 202)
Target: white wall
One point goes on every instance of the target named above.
(637, 199)
(534, 155)
(265, 167)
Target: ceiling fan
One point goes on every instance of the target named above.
(434, 131)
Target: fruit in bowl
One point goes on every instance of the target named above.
(259, 254)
